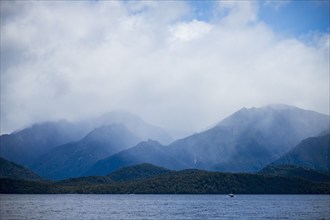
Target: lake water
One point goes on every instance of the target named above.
(164, 207)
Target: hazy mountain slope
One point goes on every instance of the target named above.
(73, 159)
(25, 146)
(133, 123)
(246, 141)
(145, 152)
(12, 170)
(249, 139)
(313, 153)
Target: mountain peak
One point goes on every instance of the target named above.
(275, 106)
(280, 106)
(150, 142)
(105, 130)
(133, 123)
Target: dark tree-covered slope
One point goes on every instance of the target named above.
(180, 182)
(140, 171)
(296, 171)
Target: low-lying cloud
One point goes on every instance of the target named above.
(77, 59)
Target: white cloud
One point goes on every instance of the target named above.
(77, 59)
(190, 30)
(237, 13)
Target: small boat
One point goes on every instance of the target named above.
(231, 195)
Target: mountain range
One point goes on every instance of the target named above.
(72, 159)
(26, 146)
(246, 141)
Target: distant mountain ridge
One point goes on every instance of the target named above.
(73, 159)
(312, 153)
(133, 123)
(246, 141)
(145, 152)
(27, 145)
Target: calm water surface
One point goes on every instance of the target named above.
(164, 207)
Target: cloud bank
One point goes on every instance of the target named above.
(78, 59)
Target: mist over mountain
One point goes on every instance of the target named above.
(145, 152)
(133, 123)
(264, 134)
(250, 138)
(246, 141)
(72, 159)
(186, 66)
(26, 146)
(312, 153)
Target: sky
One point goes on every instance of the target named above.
(180, 65)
